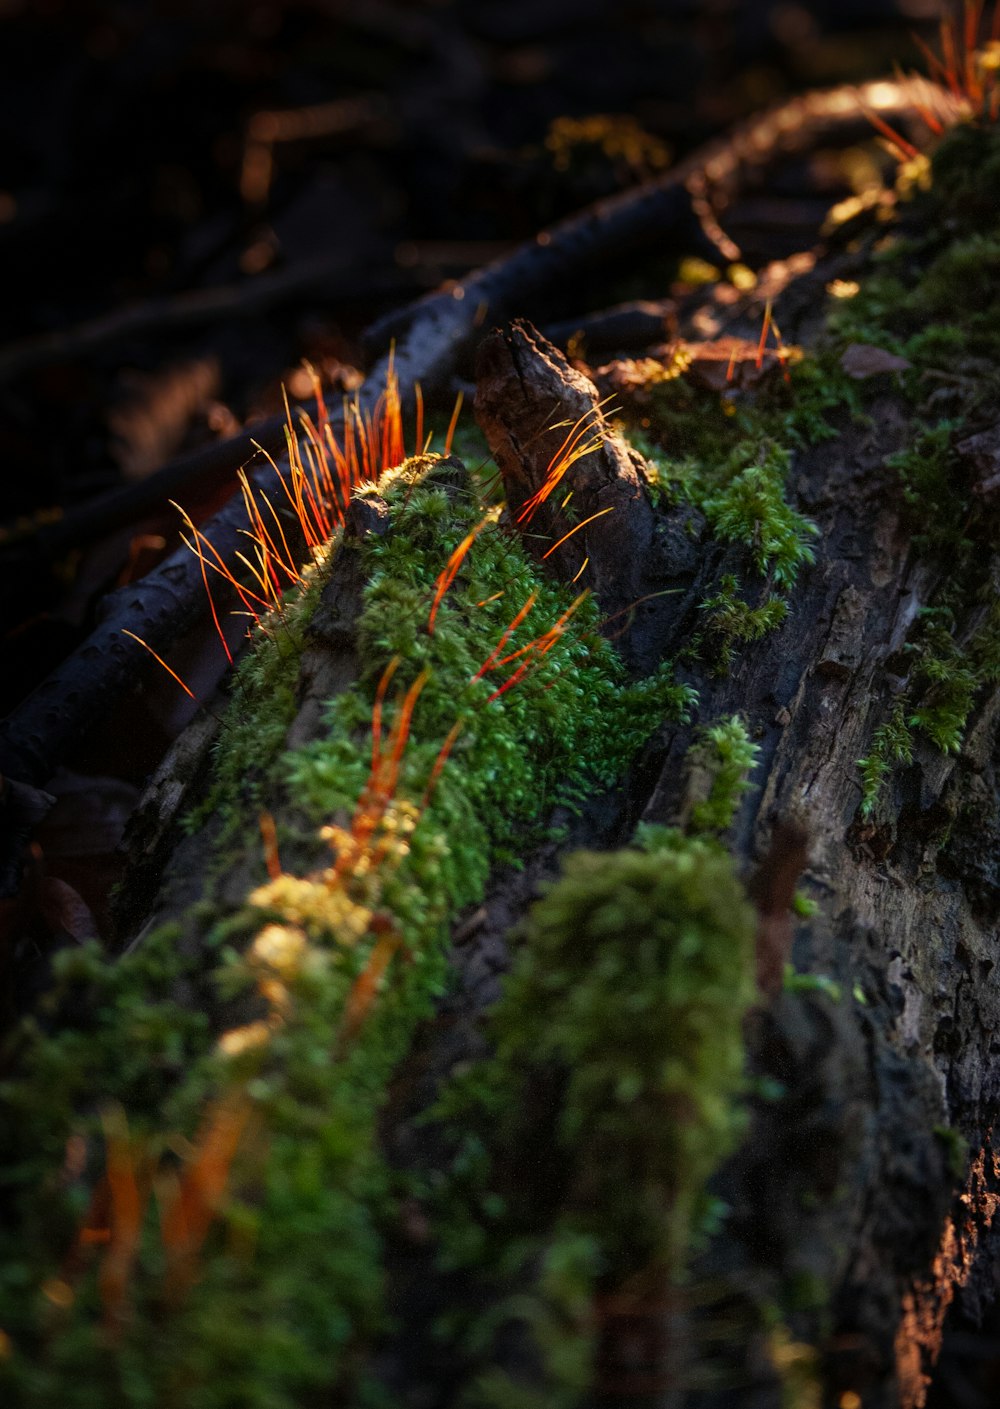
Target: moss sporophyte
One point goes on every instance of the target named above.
(196, 1195)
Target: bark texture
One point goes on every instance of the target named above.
(848, 1186)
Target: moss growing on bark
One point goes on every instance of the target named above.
(285, 1015)
(618, 1067)
(934, 300)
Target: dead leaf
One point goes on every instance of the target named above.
(730, 364)
(861, 360)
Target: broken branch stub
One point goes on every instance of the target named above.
(574, 489)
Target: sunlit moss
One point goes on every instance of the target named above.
(276, 997)
(724, 755)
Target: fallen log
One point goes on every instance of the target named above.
(846, 694)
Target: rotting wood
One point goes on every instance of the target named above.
(847, 1182)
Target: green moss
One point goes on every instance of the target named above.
(892, 743)
(752, 510)
(733, 622)
(933, 297)
(729, 458)
(618, 1066)
(947, 676)
(794, 982)
(290, 1280)
(937, 501)
(957, 1150)
(724, 753)
(965, 169)
(264, 701)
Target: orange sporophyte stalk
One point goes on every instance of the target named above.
(576, 529)
(573, 448)
(323, 471)
(449, 572)
(532, 653)
(450, 436)
(963, 76)
(160, 661)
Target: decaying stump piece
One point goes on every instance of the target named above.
(589, 522)
(589, 519)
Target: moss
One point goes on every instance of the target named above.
(956, 1148)
(936, 500)
(752, 510)
(729, 457)
(733, 622)
(946, 678)
(794, 982)
(620, 1032)
(932, 297)
(264, 701)
(289, 1281)
(892, 743)
(724, 754)
(965, 170)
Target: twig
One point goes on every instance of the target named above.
(329, 272)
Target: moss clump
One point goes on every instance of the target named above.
(752, 510)
(937, 500)
(965, 173)
(619, 1061)
(733, 622)
(729, 457)
(724, 755)
(307, 991)
(264, 699)
(892, 743)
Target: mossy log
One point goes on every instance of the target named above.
(847, 1203)
(800, 708)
